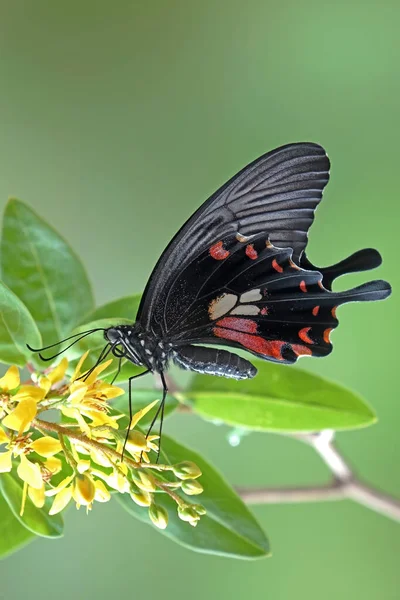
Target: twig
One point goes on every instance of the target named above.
(345, 484)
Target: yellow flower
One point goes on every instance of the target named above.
(10, 381)
(56, 375)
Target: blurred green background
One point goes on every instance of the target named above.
(116, 121)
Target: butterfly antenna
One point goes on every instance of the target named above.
(79, 337)
(103, 355)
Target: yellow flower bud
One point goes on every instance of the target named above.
(30, 472)
(199, 509)
(191, 487)
(186, 470)
(188, 514)
(145, 481)
(141, 497)
(137, 441)
(84, 489)
(158, 516)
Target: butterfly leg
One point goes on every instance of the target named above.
(130, 407)
(160, 409)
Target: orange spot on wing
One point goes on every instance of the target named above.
(301, 350)
(303, 335)
(293, 265)
(277, 267)
(333, 312)
(303, 286)
(315, 311)
(250, 252)
(218, 251)
(327, 334)
(255, 343)
(245, 325)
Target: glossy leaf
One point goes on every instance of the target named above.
(44, 272)
(37, 520)
(13, 535)
(279, 398)
(16, 327)
(124, 308)
(228, 528)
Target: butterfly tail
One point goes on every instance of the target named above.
(363, 260)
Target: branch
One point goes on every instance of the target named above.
(345, 484)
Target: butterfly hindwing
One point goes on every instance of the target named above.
(248, 294)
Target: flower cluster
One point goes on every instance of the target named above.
(79, 456)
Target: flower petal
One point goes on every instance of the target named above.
(61, 486)
(44, 384)
(4, 439)
(84, 490)
(20, 418)
(53, 464)
(37, 496)
(96, 372)
(10, 380)
(77, 395)
(58, 373)
(77, 371)
(137, 416)
(102, 494)
(29, 392)
(30, 472)
(61, 500)
(46, 446)
(5, 461)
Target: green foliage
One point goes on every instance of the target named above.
(46, 294)
(123, 308)
(13, 535)
(44, 272)
(37, 520)
(279, 398)
(16, 326)
(228, 528)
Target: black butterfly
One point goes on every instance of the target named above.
(236, 275)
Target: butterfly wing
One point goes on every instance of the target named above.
(249, 294)
(277, 194)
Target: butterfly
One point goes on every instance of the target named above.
(236, 275)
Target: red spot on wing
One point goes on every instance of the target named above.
(303, 335)
(327, 334)
(264, 311)
(333, 312)
(315, 311)
(303, 286)
(276, 266)
(251, 253)
(218, 251)
(255, 343)
(245, 325)
(301, 350)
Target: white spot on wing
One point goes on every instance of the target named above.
(251, 296)
(245, 309)
(221, 305)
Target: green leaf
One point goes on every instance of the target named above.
(37, 520)
(228, 528)
(44, 272)
(140, 399)
(13, 535)
(125, 308)
(95, 343)
(16, 328)
(279, 398)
